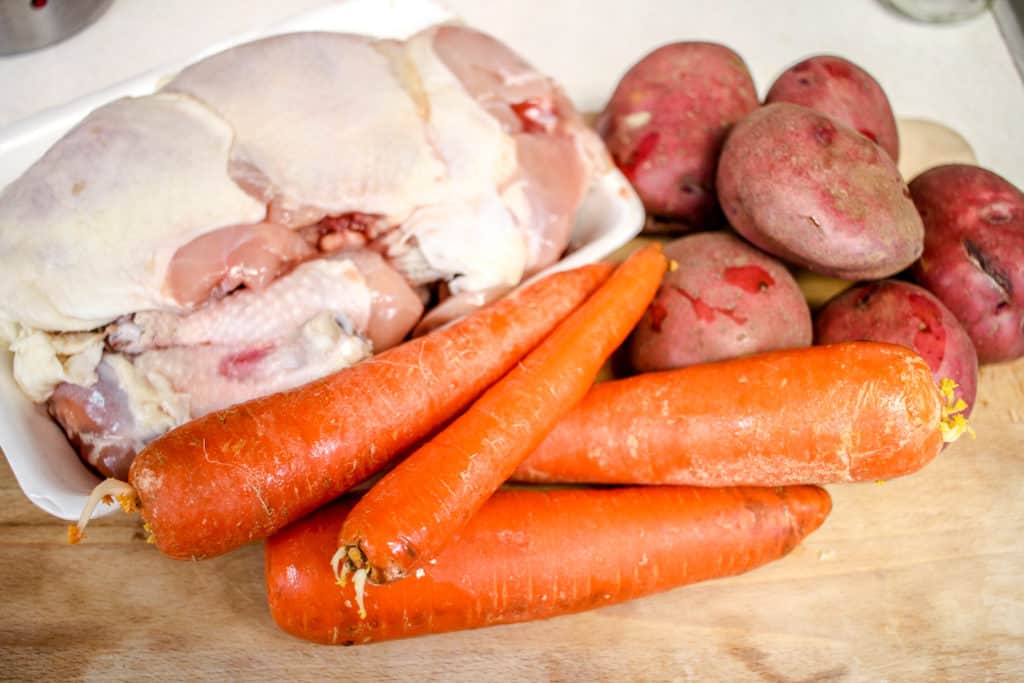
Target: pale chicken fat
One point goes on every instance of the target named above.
(43, 360)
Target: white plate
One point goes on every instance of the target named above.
(46, 467)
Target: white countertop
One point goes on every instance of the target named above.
(961, 75)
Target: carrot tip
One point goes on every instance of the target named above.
(74, 534)
(106, 491)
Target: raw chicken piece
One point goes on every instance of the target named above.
(394, 305)
(250, 316)
(355, 287)
(388, 130)
(360, 145)
(323, 316)
(493, 160)
(336, 124)
(109, 421)
(136, 400)
(87, 233)
(557, 154)
(554, 182)
(215, 377)
(276, 212)
(220, 261)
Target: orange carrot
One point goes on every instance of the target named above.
(416, 508)
(860, 411)
(532, 555)
(244, 472)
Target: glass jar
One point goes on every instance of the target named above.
(940, 11)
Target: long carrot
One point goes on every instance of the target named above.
(859, 411)
(416, 508)
(532, 555)
(244, 472)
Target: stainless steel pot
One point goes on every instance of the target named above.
(32, 24)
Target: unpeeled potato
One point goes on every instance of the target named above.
(665, 123)
(721, 298)
(817, 194)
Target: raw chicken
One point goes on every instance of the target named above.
(110, 420)
(163, 368)
(275, 213)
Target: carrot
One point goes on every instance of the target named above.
(244, 472)
(416, 508)
(859, 411)
(531, 554)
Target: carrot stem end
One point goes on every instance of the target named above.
(953, 423)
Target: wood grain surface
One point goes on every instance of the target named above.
(917, 579)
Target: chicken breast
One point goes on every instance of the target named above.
(274, 213)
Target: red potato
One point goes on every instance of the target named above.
(818, 194)
(723, 299)
(973, 256)
(665, 123)
(902, 313)
(839, 88)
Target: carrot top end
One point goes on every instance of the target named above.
(351, 560)
(340, 567)
(953, 423)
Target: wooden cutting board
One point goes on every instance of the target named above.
(914, 579)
